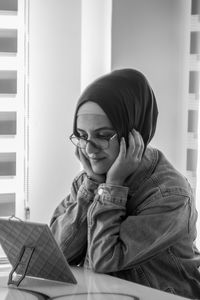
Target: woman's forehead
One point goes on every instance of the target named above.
(90, 108)
(91, 116)
(93, 122)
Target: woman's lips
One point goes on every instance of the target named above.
(95, 159)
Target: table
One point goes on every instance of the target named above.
(90, 286)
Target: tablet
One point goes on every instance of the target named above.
(33, 251)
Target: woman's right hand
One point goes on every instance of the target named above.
(128, 159)
(87, 167)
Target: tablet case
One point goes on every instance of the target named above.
(32, 251)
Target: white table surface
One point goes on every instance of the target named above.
(90, 286)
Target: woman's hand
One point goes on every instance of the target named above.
(127, 160)
(87, 167)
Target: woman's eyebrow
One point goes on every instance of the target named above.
(98, 129)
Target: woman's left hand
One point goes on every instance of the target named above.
(127, 160)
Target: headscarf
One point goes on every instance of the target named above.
(128, 101)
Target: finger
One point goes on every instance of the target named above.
(139, 144)
(132, 144)
(141, 150)
(77, 153)
(122, 150)
(82, 156)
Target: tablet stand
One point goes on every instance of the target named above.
(23, 261)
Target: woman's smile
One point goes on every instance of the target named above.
(96, 159)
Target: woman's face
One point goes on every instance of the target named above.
(91, 127)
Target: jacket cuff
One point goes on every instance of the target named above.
(113, 193)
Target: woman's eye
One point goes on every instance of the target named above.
(104, 136)
(82, 136)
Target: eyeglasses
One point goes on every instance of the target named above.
(101, 143)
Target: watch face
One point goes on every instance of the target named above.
(105, 191)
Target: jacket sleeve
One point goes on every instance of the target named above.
(69, 221)
(118, 242)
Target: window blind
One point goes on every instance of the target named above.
(12, 109)
(8, 92)
(193, 92)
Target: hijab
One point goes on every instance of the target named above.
(128, 101)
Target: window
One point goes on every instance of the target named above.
(193, 151)
(13, 100)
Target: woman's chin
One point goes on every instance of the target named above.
(99, 170)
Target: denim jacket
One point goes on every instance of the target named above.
(143, 231)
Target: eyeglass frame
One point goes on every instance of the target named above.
(89, 141)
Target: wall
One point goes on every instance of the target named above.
(54, 79)
(153, 37)
(95, 39)
(69, 47)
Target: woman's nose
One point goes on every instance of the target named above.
(91, 148)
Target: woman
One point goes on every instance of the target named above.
(130, 213)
